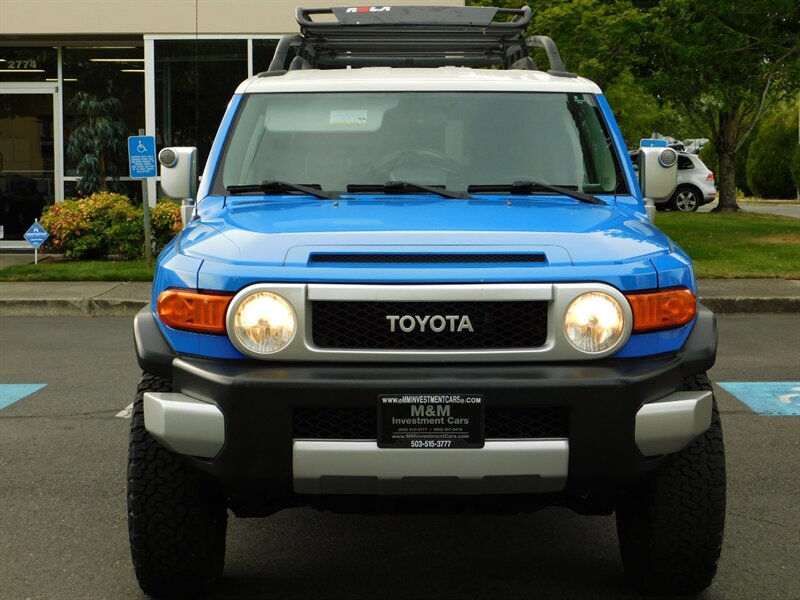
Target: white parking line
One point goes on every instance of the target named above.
(126, 412)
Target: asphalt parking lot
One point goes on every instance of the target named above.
(64, 531)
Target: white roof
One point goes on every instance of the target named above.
(376, 79)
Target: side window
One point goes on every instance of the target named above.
(685, 163)
(599, 167)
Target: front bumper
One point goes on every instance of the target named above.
(234, 420)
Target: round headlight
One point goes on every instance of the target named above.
(263, 323)
(594, 322)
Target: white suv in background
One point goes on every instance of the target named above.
(695, 184)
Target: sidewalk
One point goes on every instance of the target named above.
(104, 299)
(67, 298)
(750, 295)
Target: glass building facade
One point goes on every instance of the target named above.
(175, 89)
(163, 69)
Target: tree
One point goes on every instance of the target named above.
(639, 113)
(724, 63)
(713, 67)
(794, 164)
(795, 167)
(597, 39)
(769, 160)
(97, 141)
(602, 41)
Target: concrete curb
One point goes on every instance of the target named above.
(70, 307)
(752, 305)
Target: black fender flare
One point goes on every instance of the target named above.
(699, 352)
(154, 354)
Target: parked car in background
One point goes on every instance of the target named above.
(696, 185)
(694, 145)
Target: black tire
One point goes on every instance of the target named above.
(685, 199)
(176, 523)
(670, 530)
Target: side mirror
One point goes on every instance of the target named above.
(658, 175)
(179, 177)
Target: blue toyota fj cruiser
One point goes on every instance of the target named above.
(410, 282)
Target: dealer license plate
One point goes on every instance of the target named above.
(430, 421)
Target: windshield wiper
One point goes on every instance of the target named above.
(276, 187)
(529, 186)
(404, 187)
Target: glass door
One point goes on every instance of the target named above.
(27, 156)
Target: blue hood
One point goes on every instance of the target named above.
(255, 240)
(284, 231)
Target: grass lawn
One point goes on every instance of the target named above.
(722, 245)
(90, 270)
(736, 245)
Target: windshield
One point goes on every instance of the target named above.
(451, 139)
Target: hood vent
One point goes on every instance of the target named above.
(426, 258)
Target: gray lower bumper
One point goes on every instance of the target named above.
(183, 424)
(195, 428)
(360, 467)
(671, 423)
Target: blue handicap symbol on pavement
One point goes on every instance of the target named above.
(13, 392)
(767, 398)
(36, 235)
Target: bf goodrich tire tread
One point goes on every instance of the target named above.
(670, 530)
(176, 526)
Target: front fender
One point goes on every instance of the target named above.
(153, 352)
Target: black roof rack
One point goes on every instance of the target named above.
(412, 36)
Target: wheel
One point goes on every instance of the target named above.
(670, 530)
(685, 200)
(175, 523)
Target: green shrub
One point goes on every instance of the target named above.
(165, 222)
(795, 166)
(102, 224)
(769, 159)
(126, 236)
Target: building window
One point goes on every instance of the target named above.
(106, 74)
(195, 80)
(263, 50)
(27, 176)
(28, 64)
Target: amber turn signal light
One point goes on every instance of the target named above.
(662, 310)
(193, 311)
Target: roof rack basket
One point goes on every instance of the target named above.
(412, 36)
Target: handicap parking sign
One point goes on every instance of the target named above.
(652, 143)
(36, 235)
(142, 156)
